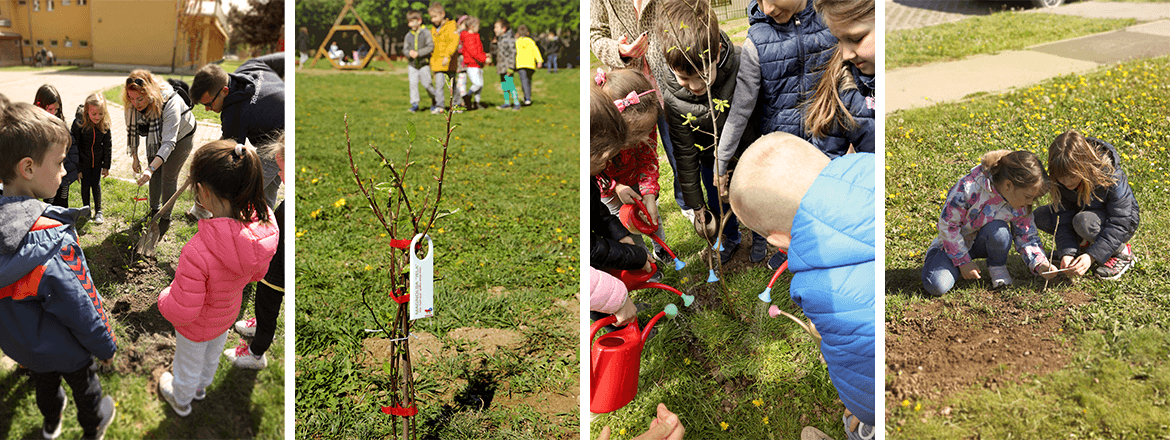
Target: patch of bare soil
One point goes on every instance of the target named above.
(940, 348)
(487, 340)
(548, 402)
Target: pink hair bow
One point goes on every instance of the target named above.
(631, 99)
(600, 77)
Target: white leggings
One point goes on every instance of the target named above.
(195, 365)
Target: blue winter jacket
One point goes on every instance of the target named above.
(832, 257)
(51, 315)
(861, 103)
(790, 56)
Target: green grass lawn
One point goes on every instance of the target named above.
(239, 404)
(114, 94)
(723, 365)
(1112, 385)
(989, 34)
(500, 357)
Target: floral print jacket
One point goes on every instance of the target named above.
(972, 203)
(635, 167)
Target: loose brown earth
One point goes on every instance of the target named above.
(942, 347)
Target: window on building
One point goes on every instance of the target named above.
(53, 43)
(36, 5)
(83, 43)
(81, 2)
(27, 43)
(64, 2)
(51, 4)
(68, 43)
(40, 43)
(22, 2)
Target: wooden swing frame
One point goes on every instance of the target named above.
(362, 29)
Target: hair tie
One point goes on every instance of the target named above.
(632, 99)
(239, 152)
(600, 77)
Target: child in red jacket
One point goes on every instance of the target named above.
(473, 59)
(231, 249)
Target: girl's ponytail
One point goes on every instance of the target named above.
(235, 174)
(824, 109)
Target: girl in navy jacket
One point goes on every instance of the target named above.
(1093, 212)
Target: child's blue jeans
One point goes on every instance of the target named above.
(731, 229)
(993, 243)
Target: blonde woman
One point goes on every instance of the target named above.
(154, 110)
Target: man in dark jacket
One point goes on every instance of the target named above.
(250, 102)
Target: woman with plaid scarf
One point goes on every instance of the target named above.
(154, 110)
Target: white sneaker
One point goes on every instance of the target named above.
(166, 387)
(200, 394)
(242, 357)
(999, 276)
(246, 327)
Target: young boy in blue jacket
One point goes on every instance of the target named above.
(51, 315)
(822, 211)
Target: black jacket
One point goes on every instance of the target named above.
(605, 252)
(681, 102)
(93, 147)
(1118, 203)
(254, 106)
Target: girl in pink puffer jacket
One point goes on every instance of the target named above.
(230, 250)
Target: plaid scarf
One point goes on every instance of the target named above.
(142, 125)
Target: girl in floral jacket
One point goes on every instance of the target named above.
(984, 213)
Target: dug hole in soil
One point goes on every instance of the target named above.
(932, 355)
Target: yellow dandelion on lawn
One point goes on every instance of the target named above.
(301, 233)
(315, 213)
(765, 420)
(724, 425)
(368, 267)
(558, 230)
(382, 235)
(686, 361)
(906, 403)
(339, 203)
(314, 180)
(559, 270)
(622, 431)
(757, 402)
(570, 240)
(918, 406)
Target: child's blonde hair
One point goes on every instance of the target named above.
(824, 110)
(142, 81)
(607, 129)
(1022, 168)
(97, 101)
(1072, 155)
(471, 24)
(232, 172)
(618, 85)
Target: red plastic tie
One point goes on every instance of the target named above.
(399, 297)
(400, 411)
(400, 244)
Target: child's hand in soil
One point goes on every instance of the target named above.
(970, 271)
(1080, 264)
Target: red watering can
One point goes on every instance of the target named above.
(615, 360)
(637, 279)
(634, 222)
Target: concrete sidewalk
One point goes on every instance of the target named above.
(923, 86)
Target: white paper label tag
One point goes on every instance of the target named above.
(422, 281)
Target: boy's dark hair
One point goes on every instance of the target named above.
(209, 78)
(26, 131)
(47, 95)
(437, 7)
(411, 15)
(522, 30)
(504, 23)
(689, 32)
(234, 175)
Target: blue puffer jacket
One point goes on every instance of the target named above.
(790, 55)
(1118, 204)
(51, 316)
(861, 103)
(832, 257)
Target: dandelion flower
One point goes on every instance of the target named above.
(918, 406)
(765, 420)
(906, 403)
(724, 425)
(757, 402)
(339, 203)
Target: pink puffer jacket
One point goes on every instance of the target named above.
(225, 255)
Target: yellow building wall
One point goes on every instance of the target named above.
(134, 32)
(65, 23)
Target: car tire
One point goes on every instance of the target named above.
(1047, 3)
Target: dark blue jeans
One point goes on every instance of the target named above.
(993, 243)
(87, 393)
(664, 135)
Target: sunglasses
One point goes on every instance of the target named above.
(136, 81)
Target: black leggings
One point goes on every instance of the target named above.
(91, 180)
